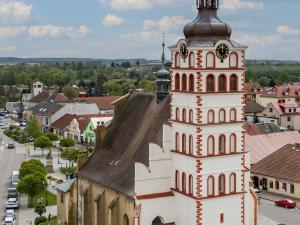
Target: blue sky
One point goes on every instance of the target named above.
(133, 28)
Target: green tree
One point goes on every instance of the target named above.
(40, 209)
(43, 142)
(67, 142)
(31, 185)
(70, 92)
(33, 128)
(31, 167)
(51, 136)
(72, 154)
(113, 88)
(100, 89)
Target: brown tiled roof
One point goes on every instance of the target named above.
(41, 97)
(252, 87)
(260, 146)
(283, 164)
(290, 90)
(63, 122)
(261, 128)
(138, 123)
(103, 102)
(253, 107)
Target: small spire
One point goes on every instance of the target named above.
(163, 57)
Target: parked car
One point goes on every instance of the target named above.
(9, 221)
(2, 114)
(10, 213)
(10, 145)
(13, 193)
(286, 203)
(12, 203)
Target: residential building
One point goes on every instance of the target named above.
(104, 103)
(252, 90)
(180, 160)
(287, 114)
(262, 145)
(262, 128)
(37, 87)
(253, 111)
(279, 172)
(13, 107)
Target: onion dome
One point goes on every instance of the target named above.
(207, 25)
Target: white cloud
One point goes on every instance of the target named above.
(285, 30)
(166, 23)
(58, 31)
(6, 49)
(14, 11)
(134, 4)
(6, 32)
(241, 4)
(112, 20)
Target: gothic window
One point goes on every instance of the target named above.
(232, 183)
(210, 186)
(177, 82)
(233, 60)
(210, 60)
(210, 83)
(177, 60)
(177, 182)
(177, 114)
(222, 184)
(191, 186)
(184, 83)
(191, 116)
(222, 144)
(210, 145)
(184, 115)
(183, 143)
(191, 83)
(222, 116)
(183, 182)
(232, 143)
(232, 115)
(222, 83)
(211, 116)
(233, 83)
(192, 60)
(177, 142)
(191, 145)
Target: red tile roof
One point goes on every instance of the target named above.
(103, 102)
(41, 97)
(290, 90)
(260, 146)
(282, 164)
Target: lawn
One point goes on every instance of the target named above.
(53, 221)
(51, 199)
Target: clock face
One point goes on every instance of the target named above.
(222, 51)
(184, 51)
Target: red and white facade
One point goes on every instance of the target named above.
(201, 174)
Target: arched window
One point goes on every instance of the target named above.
(233, 59)
(222, 144)
(210, 83)
(222, 83)
(177, 182)
(184, 115)
(232, 143)
(232, 183)
(177, 60)
(210, 145)
(232, 115)
(125, 220)
(177, 113)
(222, 189)
(192, 60)
(183, 143)
(183, 182)
(184, 83)
(233, 83)
(222, 116)
(177, 142)
(210, 60)
(211, 116)
(191, 83)
(191, 185)
(210, 186)
(157, 221)
(191, 116)
(191, 145)
(177, 82)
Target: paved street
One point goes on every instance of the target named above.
(279, 214)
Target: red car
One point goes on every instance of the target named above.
(286, 203)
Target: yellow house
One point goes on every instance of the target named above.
(279, 172)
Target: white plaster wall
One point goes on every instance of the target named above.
(185, 210)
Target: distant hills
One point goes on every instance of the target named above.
(142, 61)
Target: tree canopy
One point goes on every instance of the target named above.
(67, 142)
(33, 128)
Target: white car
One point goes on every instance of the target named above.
(9, 221)
(10, 213)
(12, 203)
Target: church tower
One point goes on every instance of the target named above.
(204, 145)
